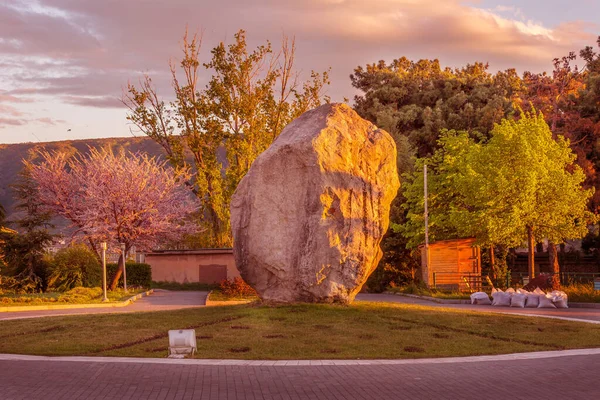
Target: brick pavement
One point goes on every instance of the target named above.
(566, 377)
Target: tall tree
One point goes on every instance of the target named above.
(248, 100)
(520, 186)
(24, 249)
(119, 198)
(419, 99)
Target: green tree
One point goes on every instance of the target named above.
(248, 100)
(24, 251)
(419, 99)
(398, 264)
(74, 266)
(520, 186)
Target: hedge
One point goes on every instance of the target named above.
(138, 274)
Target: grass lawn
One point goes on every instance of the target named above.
(74, 296)
(218, 295)
(362, 330)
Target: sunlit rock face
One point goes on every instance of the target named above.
(308, 217)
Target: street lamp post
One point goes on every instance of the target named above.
(103, 246)
(124, 268)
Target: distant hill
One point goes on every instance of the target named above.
(12, 155)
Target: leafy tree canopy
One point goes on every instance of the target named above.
(520, 182)
(248, 100)
(419, 99)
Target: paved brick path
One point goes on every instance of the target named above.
(571, 377)
(158, 301)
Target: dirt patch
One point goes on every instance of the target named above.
(240, 327)
(400, 327)
(156, 350)
(367, 336)
(330, 351)
(274, 336)
(414, 349)
(45, 330)
(240, 349)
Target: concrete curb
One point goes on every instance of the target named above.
(217, 303)
(304, 363)
(584, 305)
(432, 299)
(74, 306)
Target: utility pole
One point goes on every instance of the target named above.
(426, 215)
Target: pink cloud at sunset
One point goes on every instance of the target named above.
(69, 59)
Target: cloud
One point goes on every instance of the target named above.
(5, 122)
(82, 52)
(98, 101)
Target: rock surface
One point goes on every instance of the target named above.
(308, 217)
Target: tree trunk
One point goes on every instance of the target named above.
(95, 250)
(115, 280)
(553, 258)
(531, 252)
(492, 263)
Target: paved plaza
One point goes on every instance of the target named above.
(564, 376)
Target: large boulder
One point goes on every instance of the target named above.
(308, 217)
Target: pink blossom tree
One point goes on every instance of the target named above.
(119, 198)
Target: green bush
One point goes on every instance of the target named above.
(9, 284)
(138, 274)
(72, 267)
(236, 288)
(80, 295)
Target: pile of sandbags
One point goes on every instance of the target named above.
(522, 298)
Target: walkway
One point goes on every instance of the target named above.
(160, 300)
(579, 314)
(489, 378)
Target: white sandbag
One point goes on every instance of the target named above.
(510, 290)
(532, 301)
(546, 302)
(518, 300)
(480, 298)
(522, 291)
(539, 291)
(501, 299)
(559, 298)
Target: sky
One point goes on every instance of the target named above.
(64, 63)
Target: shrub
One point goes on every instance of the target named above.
(138, 274)
(74, 266)
(9, 284)
(80, 295)
(236, 288)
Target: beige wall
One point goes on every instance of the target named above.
(184, 268)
